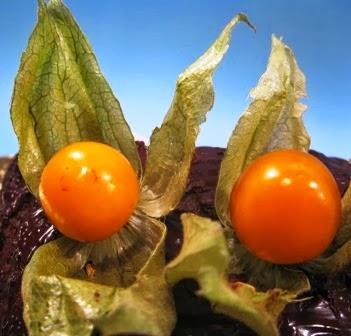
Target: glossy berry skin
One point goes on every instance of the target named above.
(88, 191)
(286, 207)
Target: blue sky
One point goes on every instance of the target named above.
(143, 45)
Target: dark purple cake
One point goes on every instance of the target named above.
(24, 227)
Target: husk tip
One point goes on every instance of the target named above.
(244, 18)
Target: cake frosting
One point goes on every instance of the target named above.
(24, 227)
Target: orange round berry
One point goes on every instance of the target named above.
(88, 191)
(286, 207)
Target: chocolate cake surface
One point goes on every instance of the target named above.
(24, 227)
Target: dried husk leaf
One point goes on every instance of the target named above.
(272, 121)
(172, 145)
(344, 234)
(338, 254)
(60, 96)
(205, 257)
(127, 295)
(264, 275)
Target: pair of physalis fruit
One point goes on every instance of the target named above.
(285, 207)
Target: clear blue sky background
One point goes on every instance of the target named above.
(143, 45)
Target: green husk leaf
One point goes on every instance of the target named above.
(344, 233)
(332, 263)
(338, 254)
(205, 257)
(60, 298)
(264, 275)
(60, 95)
(172, 145)
(272, 121)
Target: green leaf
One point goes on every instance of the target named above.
(59, 298)
(272, 121)
(60, 95)
(172, 145)
(204, 257)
